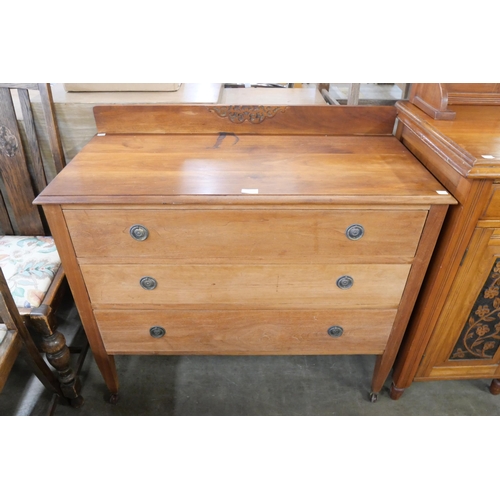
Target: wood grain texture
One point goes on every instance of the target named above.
(9, 350)
(5, 225)
(59, 231)
(301, 120)
(448, 254)
(450, 178)
(244, 270)
(469, 282)
(432, 99)
(16, 180)
(278, 236)
(37, 171)
(242, 333)
(52, 126)
(247, 286)
(321, 169)
(462, 142)
(492, 210)
(428, 240)
(465, 372)
(437, 99)
(464, 155)
(18, 335)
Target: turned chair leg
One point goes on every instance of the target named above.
(495, 387)
(58, 354)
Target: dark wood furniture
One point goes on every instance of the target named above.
(454, 332)
(16, 336)
(244, 230)
(22, 178)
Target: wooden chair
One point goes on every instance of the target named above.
(14, 334)
(28, 257)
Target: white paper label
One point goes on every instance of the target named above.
(488, 157)
(250, 191)
(442, 192)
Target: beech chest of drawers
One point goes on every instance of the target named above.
(245, 230)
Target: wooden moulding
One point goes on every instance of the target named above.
(435, 98)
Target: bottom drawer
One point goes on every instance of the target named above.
(245, 332)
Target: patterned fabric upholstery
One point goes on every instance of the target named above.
(29, 264)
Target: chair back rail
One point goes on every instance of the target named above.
(21, 166)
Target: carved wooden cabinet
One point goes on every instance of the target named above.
(454, 332)
(245, 230)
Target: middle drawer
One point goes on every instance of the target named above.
(246, 235)
(244, 286)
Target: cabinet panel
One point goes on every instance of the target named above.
(469, 325)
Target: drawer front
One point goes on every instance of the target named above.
(247, 286)
(250, 332)
(246, 235)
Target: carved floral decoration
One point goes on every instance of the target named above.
(480, 337)
(253, 114)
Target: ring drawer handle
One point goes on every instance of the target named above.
(148, 283)
(138, 232)
(157, 332)
(355, 231)
(345, 282)
(335, 331)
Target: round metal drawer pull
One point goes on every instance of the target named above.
(148, 283)
(355, 231)
(157, 332)
(345, 282)
(138, 232)
(335, 331)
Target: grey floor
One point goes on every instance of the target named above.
(227, 385)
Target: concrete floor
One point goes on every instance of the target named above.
(261, 385)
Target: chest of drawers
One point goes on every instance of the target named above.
(245, 230)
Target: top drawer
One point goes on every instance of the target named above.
(247, 235)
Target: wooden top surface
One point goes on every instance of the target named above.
(473, 136)
(215, 168)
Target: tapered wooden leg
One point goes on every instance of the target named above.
(495, 387)
(58, 354)
(104, 361)
(380, 373)
(396, 392)
(428, 239)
